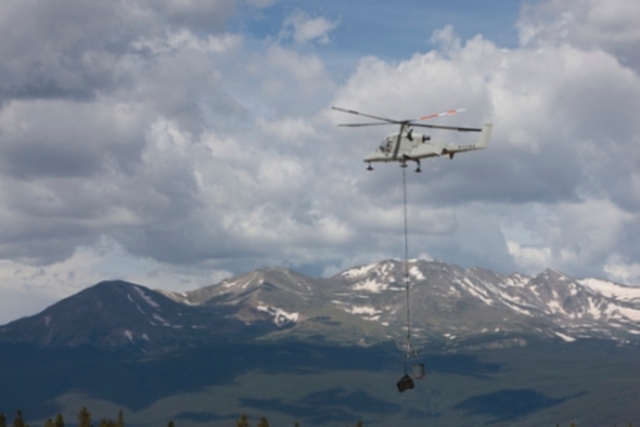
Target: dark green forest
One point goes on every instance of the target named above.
(84, 420)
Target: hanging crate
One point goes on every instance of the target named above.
(417, 371)
(405, 383)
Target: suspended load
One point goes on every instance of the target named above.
(405, 383)
(417, 371)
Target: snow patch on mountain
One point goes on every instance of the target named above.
(161, 320)
(612, 290)
(567, 338)
(280, 317)
(516, 280)
(416, 273)
(365, 312)
(371, 285)
(358, 271)
(476, 291)
(229, 284)
(630, 313)
(147, 298)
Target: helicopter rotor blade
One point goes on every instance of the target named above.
(403, 123)
(444, 113)
(354, 125)
(459, 129)
(344, 110)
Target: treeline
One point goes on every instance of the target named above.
(84, 420)
(243, 421)
(576, 425)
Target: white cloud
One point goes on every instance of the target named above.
(623, 271)
(530, 259)
(194, 149)
(610, 25)
(305, 29)
(184, 39)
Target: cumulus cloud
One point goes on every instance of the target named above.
(195, 152)
(610, 25)
(304, 29)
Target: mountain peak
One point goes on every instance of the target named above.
(448, 304)
(111, 314)
(553, 274)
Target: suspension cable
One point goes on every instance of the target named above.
(406, 262)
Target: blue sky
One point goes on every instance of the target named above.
(175, 143)
(389, 30)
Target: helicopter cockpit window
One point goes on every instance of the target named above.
(385, 147)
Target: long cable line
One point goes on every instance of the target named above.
(409, 350)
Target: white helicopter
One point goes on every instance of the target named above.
(407, 146)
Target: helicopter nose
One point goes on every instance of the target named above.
(372, 156)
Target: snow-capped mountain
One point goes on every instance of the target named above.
(454, 302)
(258, 295)
(118, 314)
(447, 303)
(367, 304)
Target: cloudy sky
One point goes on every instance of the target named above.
(174, 143)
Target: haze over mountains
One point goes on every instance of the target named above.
(363, 305)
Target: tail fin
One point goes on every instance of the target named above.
(484, 136)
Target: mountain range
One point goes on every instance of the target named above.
(364, 305)
(511, 350)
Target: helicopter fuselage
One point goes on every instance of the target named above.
(410, 146)
(407, 146)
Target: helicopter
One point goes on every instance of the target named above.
(408, 146)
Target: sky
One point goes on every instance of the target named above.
(174, 143)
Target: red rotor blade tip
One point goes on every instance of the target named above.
(446, 113)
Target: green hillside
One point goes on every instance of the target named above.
(591, 383)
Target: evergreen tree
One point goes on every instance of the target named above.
(48, 423)
(59, 422)
(359, 423)
(120, 422)
(263, 422)
(18, 421)
(171, 424)
(296, 424)
(243, 421)
(107, 423)
(3, 420)
(84, 417)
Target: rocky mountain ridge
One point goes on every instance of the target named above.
(449, 305)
